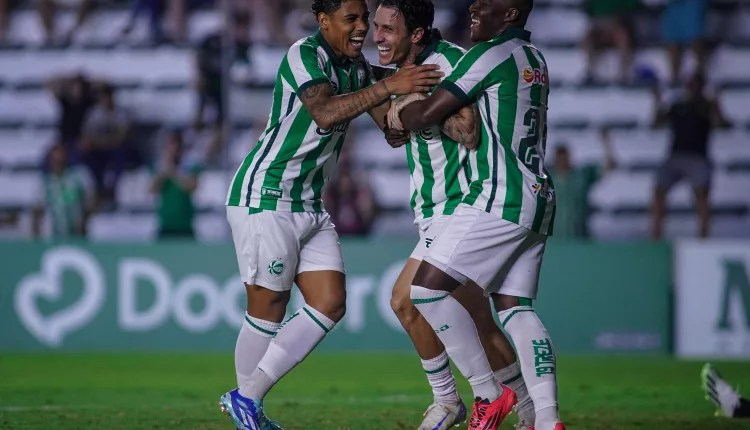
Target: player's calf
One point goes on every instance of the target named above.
(536, 354)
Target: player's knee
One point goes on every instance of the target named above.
(334, 306)
(404, 309)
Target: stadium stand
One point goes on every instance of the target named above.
(154, 83)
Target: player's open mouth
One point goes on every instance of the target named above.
(357, 41)
(474, 22)
(384, 51)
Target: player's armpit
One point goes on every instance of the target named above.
(464, 126)
(430, 111)
(329, 110)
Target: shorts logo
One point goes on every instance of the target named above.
(276, 267)
(442, 329)
(428, 242)
(534, 76)
(271, 192)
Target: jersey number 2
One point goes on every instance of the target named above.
(528, 148)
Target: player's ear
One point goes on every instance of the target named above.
(417, 35)
(324, 21)
(512, 15)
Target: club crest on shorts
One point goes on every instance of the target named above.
(276, 267)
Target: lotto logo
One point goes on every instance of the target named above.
(534, 76)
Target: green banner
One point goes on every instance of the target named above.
(182, 296)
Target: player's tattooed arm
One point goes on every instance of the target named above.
(329, 110)
(464, 126)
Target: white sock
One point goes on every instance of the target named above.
(457, 331)
(512, 377)
(538, 363)
(252, 343)
(300, 334)
(441, 379)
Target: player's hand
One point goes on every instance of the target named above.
(396, 138)
(398, 105)
(414, 79)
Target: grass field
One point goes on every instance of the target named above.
(358, 392)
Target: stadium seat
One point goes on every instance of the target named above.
(31, 107)
(19, 190)
(24, 149)
(604, 226)
(371, 149)
(212, 227)
(134, 191)
(212, 189)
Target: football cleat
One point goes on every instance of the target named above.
(488, 416)
(442, 416)
(246, 414)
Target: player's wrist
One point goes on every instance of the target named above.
(385, 85)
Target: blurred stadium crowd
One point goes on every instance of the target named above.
(126, 120)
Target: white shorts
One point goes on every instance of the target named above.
(498, 255)
(428, 235)
(274, 247)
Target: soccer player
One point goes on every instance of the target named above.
(282, 234)
(496, 236)
(718, 391)
(404, 35)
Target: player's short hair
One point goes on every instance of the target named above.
(325, 6)
(525, 7)
(417, 14)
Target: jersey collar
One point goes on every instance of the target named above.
(340, 61)
(426, 52)
(515, 33)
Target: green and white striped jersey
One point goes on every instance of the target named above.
(438, 180)
(508, 78)
(293, 159)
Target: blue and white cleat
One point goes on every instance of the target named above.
(442, 416)
(247, 414)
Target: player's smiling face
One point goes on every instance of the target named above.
(345, 29)
(488, 18)
(393, 39)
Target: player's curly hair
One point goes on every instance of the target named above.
(325, 6)
(417, 14)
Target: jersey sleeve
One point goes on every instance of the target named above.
(303, 67)
(471, 75)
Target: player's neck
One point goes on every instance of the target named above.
(509, 26)
(411, 58)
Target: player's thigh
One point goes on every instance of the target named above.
(267, 246)
(521, 279)
(476, 246)
(320, 273)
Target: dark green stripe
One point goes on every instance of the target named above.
(495, 149)
(325, 329)
(508, 105)
(513, 379)
(308, 164)
(431, 300)
(428, 176)
(440, 369)
(513, 313)
(319, 180)
(482, 167)
(451, 171)
(259, 328)
(456, 91)
(451, 52)
(551, 228)
(268, 148)
(412, 167)
(541, 206)
(522, 301)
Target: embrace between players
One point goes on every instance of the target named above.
(474, 127)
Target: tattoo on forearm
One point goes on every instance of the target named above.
(325, 107)
(463, 128)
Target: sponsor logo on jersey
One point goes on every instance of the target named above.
(271, 192)
(338, 129)
(276, 267)
(534, 76)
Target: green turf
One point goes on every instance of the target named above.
(359, 392)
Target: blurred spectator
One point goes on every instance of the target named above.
(683, 25)
(5, 6)
(210, 65)
(349, 199)
(611, 25)
(174, 182)
(155, 10)
(48, 11)
(102, 147)
(203, 144)
(179, 13)
(691, 119)
(271, 16)
(75, 96)
(572, 186)
(68, 197)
